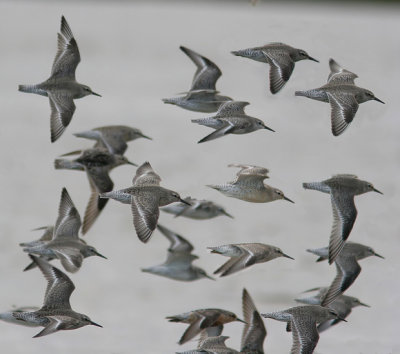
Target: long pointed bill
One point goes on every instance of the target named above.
(184, 201)
(289, 200)
(311, 58)
(375, 190)
(100, 255)
(146, 137)
(131, 163)
(362, 304)
(342, 319)
(238, 319)
(209, 277)
(377, 99)
(265, 127)
(286, 256)
(227, 214)
(95, 324)
(378, 255)
(96, 94)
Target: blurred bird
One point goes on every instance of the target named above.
(198, 209)
(281, 58)
(61, 87)
(112, 137)
(343, 305)
(178, 264)
(212, 345)
(97, 162)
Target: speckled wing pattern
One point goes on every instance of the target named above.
(281, 69)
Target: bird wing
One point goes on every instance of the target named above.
(70, 258)
(254, 331)
(197, 326)
(67, 56)
(347, 270)
(344, 107)
(305, 335)
(62, 109)
(281, 69)
(113, 143)
(100, 182)
(53, 326)
(250, 174)
(344, 216)
(338, 75)
(236, 264)
(231, 108)
(207, 72)
(145, 176)
(227, 128)
(69, 221)
(145, 215)
(178, 243)
(59, 286)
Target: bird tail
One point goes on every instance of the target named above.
(170, 100)
(31, 89)
(318, 186)
(301, 93)
(64, 164)
(176, 318)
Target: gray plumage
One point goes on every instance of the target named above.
(199, 209)
(65, 243)
(281, 58)
(112, 137)
(347, 267)
(342, 189)
(302, 322)
(249, 186)
(9, 316)
(202, 96)
(211, 345)
(254, 331)
(56, 313)
(343, 305)
(145, 197)
(97, 162)
(61, 87)
(178, 265)
(343, 96)
(230, 119)
(244, 255)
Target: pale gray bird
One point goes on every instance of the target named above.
(145, 197)
(202, 96)
(201, 319)
(113, 137)
(254, 331)
(343, 305)
(199, 209)
(281, 58)
(342, 189)
(65, 244)
(244, 255)
(61, 87)
(212, 345)
(178, 264)
(347, 267)
(302, 321)
(249, 186)
(56, 313)
(343, 96)
(97, 162)
(230, 119)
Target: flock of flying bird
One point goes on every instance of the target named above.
(145, 196)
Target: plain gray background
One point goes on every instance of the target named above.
(130, 54)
